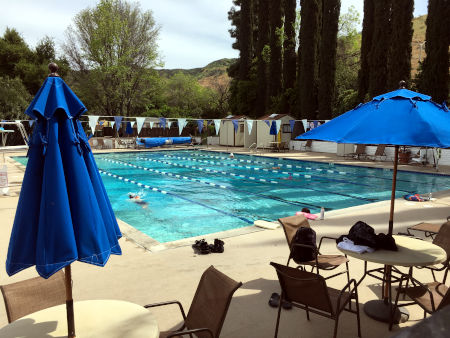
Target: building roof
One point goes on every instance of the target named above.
(274, 117)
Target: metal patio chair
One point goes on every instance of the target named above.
(290, 226)
(208, 308)
(380, 153)
(31, 295)
(359, 153)
(309, 291)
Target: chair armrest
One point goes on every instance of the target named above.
(416, 282)
(351, 290)
(325, 237)
(183, 333)
(168, 303)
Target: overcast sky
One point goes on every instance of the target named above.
(193, 32)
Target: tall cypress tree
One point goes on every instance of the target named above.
(328, 45)
(262, 42)
(275, 47)
(289, 56)
(399, 58)
(366, 44)
(380, 47)
(245, 38)
(308, 60)
(434, 78)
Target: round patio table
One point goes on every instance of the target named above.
(93, 318)
(411, 252)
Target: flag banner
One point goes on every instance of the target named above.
(140, 123)
(200, 125)
(278, 125)
(93, 122)
(118, 120)
(236, 125)
(267, 122)
(162, 122)
(181, 125)
(217, 125)
(249, 126)
(292, 123)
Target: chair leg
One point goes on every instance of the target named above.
(358, 320)
(307, 312)
(336, 322)
(391, 321)
(434, 276)
(278, 316)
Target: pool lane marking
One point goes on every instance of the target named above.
(318, 177)
(276, 198)
(371, 200)
(173, 194)
(309, 168)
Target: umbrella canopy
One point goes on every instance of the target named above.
(400, 117)
(63, 214)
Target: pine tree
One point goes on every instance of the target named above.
(399, 58)
(366, 44)
(328, 45)
(380, 47)
(276, 37)
(289, 56)
(245, 38)
(308, 58)
(434, 78)
(262, 58)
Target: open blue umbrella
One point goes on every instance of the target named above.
(63, 214)
(400, 118)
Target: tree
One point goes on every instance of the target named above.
(366, 45)
(378, 57)
(245, 39)
(308, 64)
(328, 45)
(276, 43)
(263, 57)
(112, 49)
(14, 98)
(434, 77)
(289, 55)
(399, 57)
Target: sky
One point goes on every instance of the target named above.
(193, 33)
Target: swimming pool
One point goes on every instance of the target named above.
(192, 192)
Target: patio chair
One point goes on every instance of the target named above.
(359, 153)
(309, 291)
(208, 308)
(429, 229)
(290, 226)
(307, 145)
(431, 297)
(31, 295)
(100, 143)
(379, 153)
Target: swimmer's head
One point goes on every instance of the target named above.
(306, 210)
(231, 155)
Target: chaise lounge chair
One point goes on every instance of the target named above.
(290, 226)
(359, 153)
(208, 308)
(379, 153)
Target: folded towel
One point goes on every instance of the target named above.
(348, 245)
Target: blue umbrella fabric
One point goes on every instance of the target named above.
(63, 214)
(401, 117)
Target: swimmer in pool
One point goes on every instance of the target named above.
(288, 178)
(274, 168)
(231, 155)
(137, 199)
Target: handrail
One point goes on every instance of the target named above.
(21, 129)
(253, 144)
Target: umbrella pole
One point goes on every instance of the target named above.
(69, 302)
(394, 182)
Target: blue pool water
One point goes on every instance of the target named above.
(193, 193)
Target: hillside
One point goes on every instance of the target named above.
(418, 45)
(216, 72)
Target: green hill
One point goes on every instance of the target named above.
(215, 68)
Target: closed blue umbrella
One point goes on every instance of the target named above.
(63, 214)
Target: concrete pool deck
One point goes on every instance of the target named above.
(142, 276)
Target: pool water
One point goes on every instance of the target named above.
(192, 193)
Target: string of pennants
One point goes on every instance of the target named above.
(274, 125)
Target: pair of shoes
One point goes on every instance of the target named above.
(274, 301)
(217, 246)
(201, 247)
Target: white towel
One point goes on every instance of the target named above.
(348, 245)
